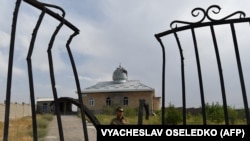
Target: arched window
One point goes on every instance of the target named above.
(108, 101)
(91, 102)
(125, 100)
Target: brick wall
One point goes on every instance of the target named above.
(117, 97)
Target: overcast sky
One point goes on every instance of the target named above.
(114, 32)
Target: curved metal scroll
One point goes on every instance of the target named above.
(215, 9)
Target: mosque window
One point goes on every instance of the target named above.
(108, 101)
(91, 102)
(125, 100)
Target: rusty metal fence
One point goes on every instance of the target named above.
(210, 22)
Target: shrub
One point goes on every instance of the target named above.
(48, 117)
(41, 132)
(215, 112)
(42, 123)
(173, 115)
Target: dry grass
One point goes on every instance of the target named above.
(21, 129)
(18, 129)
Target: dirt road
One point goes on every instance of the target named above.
(72, 129)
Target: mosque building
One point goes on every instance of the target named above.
(121, 91)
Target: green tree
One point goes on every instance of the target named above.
(173, 115)
(241, 115)
(215, 112)
(232, 114)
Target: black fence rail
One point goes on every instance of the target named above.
(189, 31)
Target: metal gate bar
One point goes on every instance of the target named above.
(182, 78)
(243, 88)
(30, 73)
(199, 76)
(63, 21)
(10, 68)
(223, 92)
(228, 20)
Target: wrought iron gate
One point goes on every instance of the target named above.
(45, 9)
(208, 22)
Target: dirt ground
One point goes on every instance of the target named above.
(72, 129)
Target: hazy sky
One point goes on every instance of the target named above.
(114, 32)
